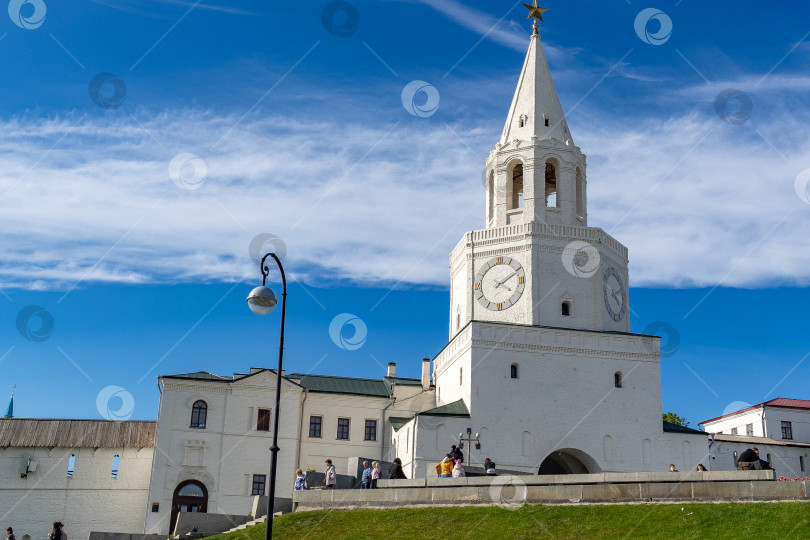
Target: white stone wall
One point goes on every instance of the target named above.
(90, 500)
(314, 451)
(784, 459)
(229, 451)
(564, 396)
(767, 424)
(738, 421)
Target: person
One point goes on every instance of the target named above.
(396, 471)
(458, 470)
(456, 453)
(489, 467)
(331, 476)
(375, 473)
(748, 460)
(10, 534)
(672, 468)
(56, 533)
(444, 468)
(300, 480)
(700, 467)
(365, 481)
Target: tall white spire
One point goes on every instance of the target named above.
(536, 109)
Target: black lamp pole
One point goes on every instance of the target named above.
(268, 533)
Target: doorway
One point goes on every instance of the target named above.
(568, 461)
(189, 496)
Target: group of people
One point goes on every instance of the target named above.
(699, 468)
(56, 533)
(750, 461)
(451, 466)
(371, 473)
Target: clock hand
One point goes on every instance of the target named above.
(619, 300)
(504, 280)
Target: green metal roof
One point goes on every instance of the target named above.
(341, 385)
(201, 375)
(675, 428)
(398, 422)
(318, 383)
(457, 408)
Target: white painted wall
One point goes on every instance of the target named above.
(91, 500)
(784, 459)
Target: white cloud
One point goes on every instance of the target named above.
(697, 201)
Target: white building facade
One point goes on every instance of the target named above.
(779, 429)
(92, 475)
(214, 434)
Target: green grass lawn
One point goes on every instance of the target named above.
(780, 520)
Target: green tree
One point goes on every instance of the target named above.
(674, 418)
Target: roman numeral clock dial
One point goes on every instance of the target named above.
(615, 295)
(499, 283)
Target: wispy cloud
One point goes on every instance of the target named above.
(153, 7)
(698, 201)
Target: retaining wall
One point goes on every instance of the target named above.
(516, 490)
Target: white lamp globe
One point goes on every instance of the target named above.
(262, 300)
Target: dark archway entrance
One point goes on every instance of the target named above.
(568, 461)
(189, 496)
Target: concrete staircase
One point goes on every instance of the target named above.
(256, 521)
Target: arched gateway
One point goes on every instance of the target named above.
(568, 461)
(189, 496)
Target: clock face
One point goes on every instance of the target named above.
(615, 295)
(499, 282)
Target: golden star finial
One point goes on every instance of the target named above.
(535, 11)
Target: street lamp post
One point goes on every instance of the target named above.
(261, 301)
(470, 439)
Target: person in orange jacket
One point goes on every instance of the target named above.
(444, 469)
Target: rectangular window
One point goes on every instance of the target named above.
(733, 431)
(263, 420)
(787, 430)
(371, 430)
(343, 428)
(258, 484)
(315, 423)
(749, 430)
(801, 463)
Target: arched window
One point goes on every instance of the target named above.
(491, 196)
(71, 465)
(565, 309)
(551, 185)
(513, 371)
(199, 414)
(116, 460)
(617, 379)
(735, 458)
(460, 376)
(580, 188)
(515, 191)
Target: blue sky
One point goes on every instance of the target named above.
(130, 223)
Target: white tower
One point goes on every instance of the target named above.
(537, 262)
(540, 361)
